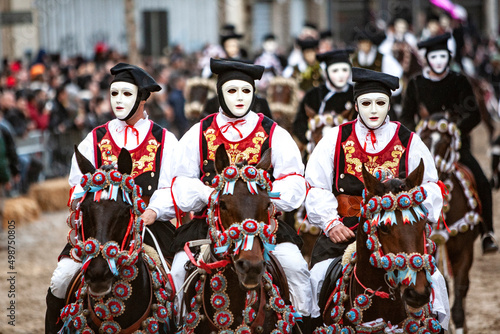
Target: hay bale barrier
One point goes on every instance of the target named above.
(21, 209)
(51, 195)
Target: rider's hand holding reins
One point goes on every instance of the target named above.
(149, 217)
(340, 233)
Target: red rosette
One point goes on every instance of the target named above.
(387, 202)
(161, 313)
(111, 249)
(234, 232)
(115, 176)
(140, 205)
(129, 182)
(116, 307)
(122, 258)
(416, 262)
(73, 309)
(122, 290)
(223, 319)
(88, 331)
(400, 262)
(152, 326)
(129, 272)
(418, 195)
(230, 173)
(431, 263)
(84, 180)
(250, 173)
(162, 295)
(79, 322)
(404, 201)
(217, 284)
(91, 247)
(411, 326)
(99, 178)
(219, 302)
(266, 178)
(215, 181)
(387, 262)
(102, 311)
(277, 304)
(371, 243)
(110, 327)
(250, 226)
(76, 252)
(373, 204)
(138, 190)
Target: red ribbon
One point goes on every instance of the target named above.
(134, 132)
(226, 127)
(373, 138)
(444, 192)
(380, 294)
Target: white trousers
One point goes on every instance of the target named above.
(440, 305)
(294, 266)
(64, 272)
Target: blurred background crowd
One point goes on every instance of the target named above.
(52, 96)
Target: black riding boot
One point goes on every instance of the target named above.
(315, 323)
(54, 306)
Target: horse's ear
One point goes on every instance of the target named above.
(415, 178)
(265, 160)
(125, 163)
(84, 163)
(221, 159)
(372, 184)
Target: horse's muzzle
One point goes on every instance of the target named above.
(249, 272)
(415, 299)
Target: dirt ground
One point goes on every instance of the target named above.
(38, 245)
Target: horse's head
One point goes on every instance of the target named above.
(441, 135)
(397, 232)
(107, 213)
(241, 216)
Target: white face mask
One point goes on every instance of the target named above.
(123, 97)
(339, 74)
(270, 46)
(438, 60)
(238, 96)
(373, 109)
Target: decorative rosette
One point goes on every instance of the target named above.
(192, 319)
(410, 326)
(363, 301)
(234, 232)
(284, 326)
(84, 181)
(218, 283)
(249, 315)
(91, 247)
(419, 194)
(80, 293)
(102, 311)
(400, 261)
(151, 326)
(249, 173)
(371, 243)
(404, 201)
(388, 203)
(139, 206)
(128, 183)
(220, 301)
(336, 313)
(265, 180)
(87, 331)
(223, 319)
(99, 179)
(77, 252)
(161, 313)
(157, 279)
(230, 173)
(442, 126)
(250, 227)
(387, 262)
(416, 262)
(277, 304)
(129, 273)
(433, 325)
(430, 264)
(110, 250)
(138, 190)
(337, 298)
(431, 246)
(73, 237)
(161, 295)
(80, 322)
(115, 177)
(115, 306)
(122, 290)
(354, 316)
(216, 182)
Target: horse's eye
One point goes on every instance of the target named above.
(383, 228)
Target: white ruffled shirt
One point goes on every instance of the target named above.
(191, 194)
(321, 204)
(161, 201)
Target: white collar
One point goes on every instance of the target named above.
(363, 130)
(334, 89)
(427, 74)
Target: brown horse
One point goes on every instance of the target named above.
(461, 210)
(234, 289)
(282, 96)
(386, 282)
(120, 288)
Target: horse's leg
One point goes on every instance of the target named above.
(461, 264)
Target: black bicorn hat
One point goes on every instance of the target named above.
(368, 81)
(228, 31)
(435, 43)
(269, 37)
(336, 56)
(235, 70)
(307, 43)
(136, 76)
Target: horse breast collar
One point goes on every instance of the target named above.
(123, 263)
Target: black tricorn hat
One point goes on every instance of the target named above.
(136, 76)
(435, 43)
(336, 56)
(307, 43)
(235, 70)
(368, 81)
(269, 37)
